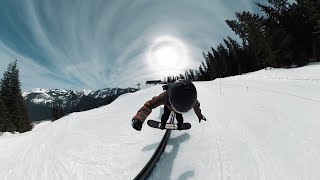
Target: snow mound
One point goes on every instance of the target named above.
(301, 73)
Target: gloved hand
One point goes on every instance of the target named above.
(136, 124)
(203, 118)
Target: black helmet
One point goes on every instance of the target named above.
(182, 95)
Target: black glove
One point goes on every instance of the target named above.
(203, 118)
(136, 124)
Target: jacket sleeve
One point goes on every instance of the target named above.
(197, 110)
(146, 109)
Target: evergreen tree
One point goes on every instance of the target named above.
(289, 30)
(2, 111)
(10, 91)
(190, 75)
(310, 13)
(202, 72)
(57, 113)
(224, 61)
(249, 27)
(236, 53)
(210, 71)
(215, 58)
(3, 116)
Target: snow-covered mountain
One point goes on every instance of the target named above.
(39, 101)
(63, 98)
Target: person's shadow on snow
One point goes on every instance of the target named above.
(163, 168)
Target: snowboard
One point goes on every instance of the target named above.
(157, 124)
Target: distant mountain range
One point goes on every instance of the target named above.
(39, 102)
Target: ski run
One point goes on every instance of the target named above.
(263, 125)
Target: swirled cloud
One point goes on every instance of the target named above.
(80, 44)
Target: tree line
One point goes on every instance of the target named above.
(13, 113)
(286, 35)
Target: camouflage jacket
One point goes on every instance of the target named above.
(162, 99)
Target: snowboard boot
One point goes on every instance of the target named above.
(163, 125)
(179, 126)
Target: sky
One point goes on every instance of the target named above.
(80, 44)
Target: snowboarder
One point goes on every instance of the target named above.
(179, 97)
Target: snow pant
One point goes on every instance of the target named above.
(166, 114)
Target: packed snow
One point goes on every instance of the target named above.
(260, 126)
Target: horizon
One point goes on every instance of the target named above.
(38, 90)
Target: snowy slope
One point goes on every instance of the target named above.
(96, 144)
(258, 128)
(263, 125)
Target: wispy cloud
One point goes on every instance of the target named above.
(96, 44)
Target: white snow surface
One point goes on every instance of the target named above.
(257, 128)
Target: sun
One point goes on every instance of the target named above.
(167, 55)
